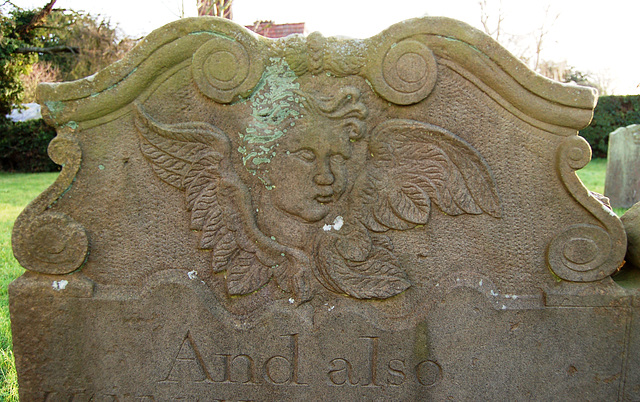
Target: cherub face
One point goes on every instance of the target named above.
(308, 174)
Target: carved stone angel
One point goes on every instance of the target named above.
(314, 212)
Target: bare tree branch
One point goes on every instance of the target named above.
(484, 19)
(37, 18)
(218, 8)
(10, 3)
(542, 33)
(48, 50)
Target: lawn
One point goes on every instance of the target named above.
(16, 190)
(593, 176)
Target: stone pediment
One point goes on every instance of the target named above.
(311, 178)
(470, 53)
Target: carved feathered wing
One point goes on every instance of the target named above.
(195, 157)
(412, 165)
(415, 164)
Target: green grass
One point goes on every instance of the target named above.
(593, 176)
(17, 190)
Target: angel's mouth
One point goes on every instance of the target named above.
(324, 199)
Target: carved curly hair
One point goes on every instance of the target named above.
(276, 111)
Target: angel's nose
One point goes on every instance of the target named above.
(324, 176)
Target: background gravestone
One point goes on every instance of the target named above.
(631, 222)
(394, 218)
(622, 184)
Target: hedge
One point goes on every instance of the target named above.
(23, 146)
(611, 113)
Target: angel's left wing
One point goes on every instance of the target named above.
(412, 165)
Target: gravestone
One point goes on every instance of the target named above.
(394, 218)
(631, 222)
(622, 184)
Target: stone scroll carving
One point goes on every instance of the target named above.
(46, 241)
(585, 252)
(403, 72)
(225, 69)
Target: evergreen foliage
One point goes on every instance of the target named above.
(611, 113)
(23, 146)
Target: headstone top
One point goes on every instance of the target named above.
(240, 218)
(297, 161)
(399, 63)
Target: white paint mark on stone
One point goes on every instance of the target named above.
(59, 285)
(493, 293)
(480, 282)
(292, 300)
(331, 308)
(337, 224)
(192, 274)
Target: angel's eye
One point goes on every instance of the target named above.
(305, 155)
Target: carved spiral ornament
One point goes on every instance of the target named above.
(584, 252)
(46, 241)
(406, 74)
(575, 153)
(226, 69)
(578, 253)
(57, 244)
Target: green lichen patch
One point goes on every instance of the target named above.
(274, 105)
(55, 107)
(72, 125)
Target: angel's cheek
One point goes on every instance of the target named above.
(340, 183)
(283, 169)
(293, 190)
(340, 173)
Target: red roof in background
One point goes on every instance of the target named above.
(270, 30)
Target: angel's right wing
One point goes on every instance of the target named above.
(195, 157)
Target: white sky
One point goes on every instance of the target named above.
(601, 37)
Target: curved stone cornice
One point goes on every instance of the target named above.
(549, 105)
